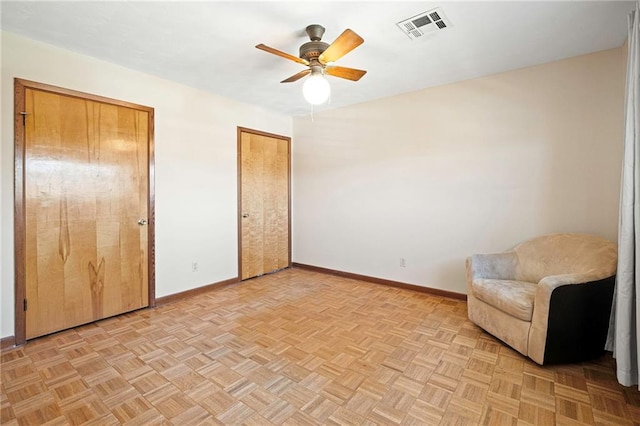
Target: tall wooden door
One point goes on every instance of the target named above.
(264, 222)
(86, 209)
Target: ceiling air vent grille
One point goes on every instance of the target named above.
(424, 23)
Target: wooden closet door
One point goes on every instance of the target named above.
(86, 197)
(264, 203)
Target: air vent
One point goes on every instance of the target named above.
(424, 23)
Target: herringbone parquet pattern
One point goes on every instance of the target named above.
(300, 348)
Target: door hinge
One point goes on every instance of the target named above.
(24, 122)
(24, 304)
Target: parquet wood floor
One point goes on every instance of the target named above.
(300, 348)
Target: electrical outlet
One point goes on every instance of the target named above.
(403, 262)
(194, 267)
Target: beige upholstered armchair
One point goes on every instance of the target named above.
(549, 298)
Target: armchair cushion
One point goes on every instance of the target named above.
(512, 297)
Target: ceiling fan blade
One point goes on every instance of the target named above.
(296, 77)
(282, 54)
(345, 43)
(343, 72)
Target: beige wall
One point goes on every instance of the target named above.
(430, 176)
(477, 166)
(195, 141)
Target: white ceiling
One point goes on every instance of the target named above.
(210, 45)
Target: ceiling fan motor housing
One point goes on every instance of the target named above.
(312, 49)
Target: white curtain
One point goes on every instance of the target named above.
(625, 316)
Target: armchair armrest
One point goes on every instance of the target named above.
(497, 266)
(568, 310)
(545, 289)
(551, 282)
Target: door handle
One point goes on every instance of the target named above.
(142, 222)
(245, 215)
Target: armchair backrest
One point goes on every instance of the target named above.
(557, 254)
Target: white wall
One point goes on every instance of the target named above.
(477, 166)
(195, 159)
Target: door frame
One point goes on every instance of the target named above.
(20, 86)
(239, 216)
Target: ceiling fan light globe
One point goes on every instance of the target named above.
(316, 89)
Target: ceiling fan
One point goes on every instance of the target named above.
(320, 57)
